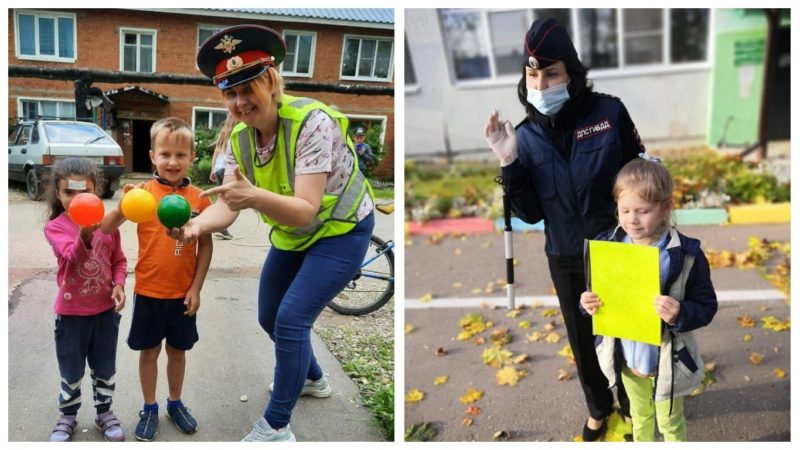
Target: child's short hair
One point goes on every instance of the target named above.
(172, 125)
(61, 171)
(649, 179)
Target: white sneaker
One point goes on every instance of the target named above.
(319, 388)
(262, 432)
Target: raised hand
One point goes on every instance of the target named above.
(502, 138)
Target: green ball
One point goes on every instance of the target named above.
(174, 211)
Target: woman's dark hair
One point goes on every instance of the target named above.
(61, 171)
(578, 86)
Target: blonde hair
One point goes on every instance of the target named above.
(649, 179)
(172, 125)
(267, 87)
(221, 144)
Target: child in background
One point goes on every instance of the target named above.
(169, 277)
(91, 292)
(643, 193)
(218, 160)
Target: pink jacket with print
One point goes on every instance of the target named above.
(86, 276)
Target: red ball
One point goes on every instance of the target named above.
(86, 210)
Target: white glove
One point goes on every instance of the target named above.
(502, 139)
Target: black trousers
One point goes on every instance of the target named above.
(569, 280)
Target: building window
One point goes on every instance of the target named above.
(209, 118)
(138, 50)
(299, 61)
(368, 59)
(411, 76)
(206, 31)
(643, 36)
(488, 44)
(45, 36)
(598, 35)
(689, 35)
(51, 109)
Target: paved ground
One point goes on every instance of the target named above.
(232, 358)
(747, 403)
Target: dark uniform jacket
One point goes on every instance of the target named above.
(566, 170)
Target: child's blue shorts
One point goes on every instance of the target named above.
(155, 319)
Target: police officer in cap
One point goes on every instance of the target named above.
(363, 150)
(559, 165)
(290, 159)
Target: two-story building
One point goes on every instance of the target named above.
(143, 63)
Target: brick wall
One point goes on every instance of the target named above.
(98, 33)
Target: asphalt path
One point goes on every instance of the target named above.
(233, 358)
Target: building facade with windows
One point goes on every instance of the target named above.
(682, 73)
(145, 61)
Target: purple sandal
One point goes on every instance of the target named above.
(111, 427)
(64, 428)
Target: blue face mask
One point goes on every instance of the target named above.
(549, 101)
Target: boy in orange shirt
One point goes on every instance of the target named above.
(169, 277)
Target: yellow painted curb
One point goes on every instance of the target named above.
(767, 213)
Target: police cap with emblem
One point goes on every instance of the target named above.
(240, 53)
(547, 42)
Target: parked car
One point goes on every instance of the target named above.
(34, 146)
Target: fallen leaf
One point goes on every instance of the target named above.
(440, 380)
(519, 359)
(535, 305)
(513, 313)
(746, 321)
(525, 324)
(552, 290)
(516, 262)
(563, 375)
(464, 336)
(486, 244)
(710, 366)
(747, 337)
(535, 336)
(457, 285)
(472, 411)
(500, 337)
(509, 376)
(414, 396)
(457, 252)
(472, 395)
(771, 323)
(466, 422)
(549, 326)
(747, 378)
(409, 328)
(478, 340)
(553, 338)
(566, 352)
(756, 358)
(426, 298)
(764, 308)
(440, 351)
(476, 290)
(502, 434)
(550, 312)
(496, 357)
(779, 373)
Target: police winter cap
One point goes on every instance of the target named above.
(547, 42)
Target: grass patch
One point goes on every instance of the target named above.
(384, 194)
(369, 361)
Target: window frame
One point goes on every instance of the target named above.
(208, 109)
(377, 39)
(372, 118)
(662, 67)
(414, 88)
(197, 36)
(39, 100)
(312, 56)
(47, 14)
(138, 31)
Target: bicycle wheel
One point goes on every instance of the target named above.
(372, 286)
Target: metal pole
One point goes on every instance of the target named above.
(508, 234)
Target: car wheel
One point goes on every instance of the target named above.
(34, 186)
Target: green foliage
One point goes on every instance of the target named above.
(200, 170)
(382, 406)
(373, 139)
(465, 189)
(204, 139)
(420, 432)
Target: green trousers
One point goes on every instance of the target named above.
(644, 413)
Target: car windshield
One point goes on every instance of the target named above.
(76, 133)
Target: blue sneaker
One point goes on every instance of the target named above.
(182, 419)
(147, 426)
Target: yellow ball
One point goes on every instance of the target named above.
(138, 205)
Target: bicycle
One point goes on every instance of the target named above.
(373, 285)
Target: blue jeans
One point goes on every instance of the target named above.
(294, 289)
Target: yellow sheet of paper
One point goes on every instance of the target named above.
(626, 278)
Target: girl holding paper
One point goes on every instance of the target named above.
(643, 192)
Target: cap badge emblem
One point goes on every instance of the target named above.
(534, 63)
(227, 44)
(234, 62)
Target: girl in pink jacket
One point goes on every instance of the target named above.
(91, 292)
